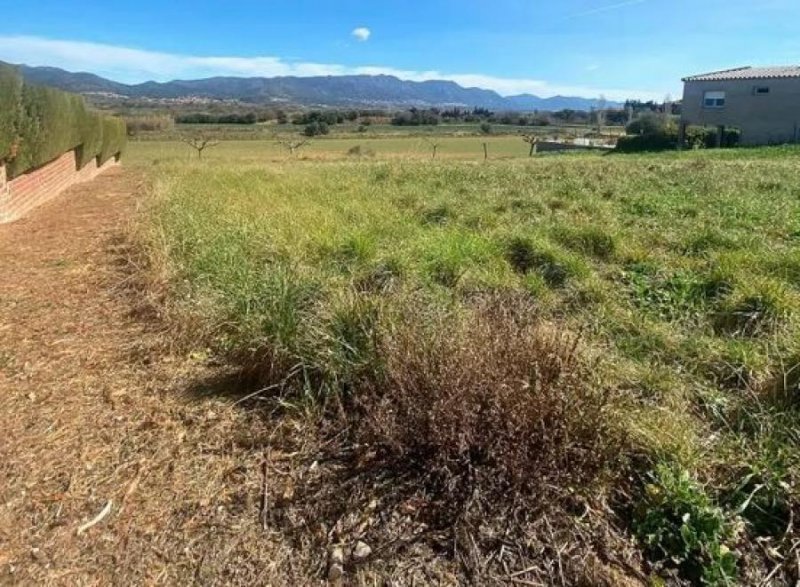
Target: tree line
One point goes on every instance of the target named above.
(435, 116)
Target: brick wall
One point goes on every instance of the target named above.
(23, 193)
(5, 193)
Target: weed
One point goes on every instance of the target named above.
(436, 215)
(355, 250)
(672, 296)
(488, 401)
(761, 310)
(446, 272)
(348, 337)
(524, 257)
(709, 239)
(364, 275)
(379, 276)
(591, 240)
(359, 151)
(680, 526)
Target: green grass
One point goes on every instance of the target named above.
(335, 147)
(681, 271)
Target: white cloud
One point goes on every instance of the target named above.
(137, 65)
(362, 34)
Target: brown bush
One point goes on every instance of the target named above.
(494, 401)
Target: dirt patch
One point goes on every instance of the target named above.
(92, 412)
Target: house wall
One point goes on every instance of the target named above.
(21, 194)
(763, 119)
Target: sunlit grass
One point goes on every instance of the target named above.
(681, 271)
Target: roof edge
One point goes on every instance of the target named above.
(697, 77)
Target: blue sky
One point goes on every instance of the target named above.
(618, 48)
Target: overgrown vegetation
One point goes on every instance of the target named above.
(38, 124)
(450, 316)
(659, 132)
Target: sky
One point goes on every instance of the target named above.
(615, 48)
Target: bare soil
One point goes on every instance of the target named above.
(94, 411)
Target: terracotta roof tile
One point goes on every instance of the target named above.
(745, 73)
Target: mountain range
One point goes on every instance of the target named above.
(340, 91)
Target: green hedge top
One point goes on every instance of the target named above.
(39, 124)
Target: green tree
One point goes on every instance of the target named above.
(316, 128)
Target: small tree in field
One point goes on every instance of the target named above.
(292, 145)
(199, 142)
(433, 145)
(532, 141)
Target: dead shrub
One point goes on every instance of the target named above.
(494, 402)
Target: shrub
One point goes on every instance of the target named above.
(487, 402)
(138, 124)
(316, 128)
(699, 137)
(654, 132)
(661, 141)
(416, 117)
(359, 151)
(49, 127)
(114, 138)
(38, 124)
(10, 103)
(204, 118)
(91, 138)
(650, 124)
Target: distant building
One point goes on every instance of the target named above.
(762, 102)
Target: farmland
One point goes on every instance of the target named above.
(253, 151)
(611, 342)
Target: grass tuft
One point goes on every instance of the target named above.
(488, 401)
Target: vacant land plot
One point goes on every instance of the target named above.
(535, 361)
(416, 147)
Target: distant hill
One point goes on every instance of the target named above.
(341, 91)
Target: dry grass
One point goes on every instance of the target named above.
(99, 406)
(492, 403)
(92, 410)
(469, 438)
(299, 273)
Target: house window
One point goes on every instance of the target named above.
(714, 100)
(760, 90)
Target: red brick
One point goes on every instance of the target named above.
(21, 194)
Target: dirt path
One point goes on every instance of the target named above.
(90, 413)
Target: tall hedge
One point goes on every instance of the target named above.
(10, 105)
(38, 124)
(115, 135)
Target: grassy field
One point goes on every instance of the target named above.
(403, 146)
(266, 131)
(623, 331)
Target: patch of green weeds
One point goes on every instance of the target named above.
(681, 528)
